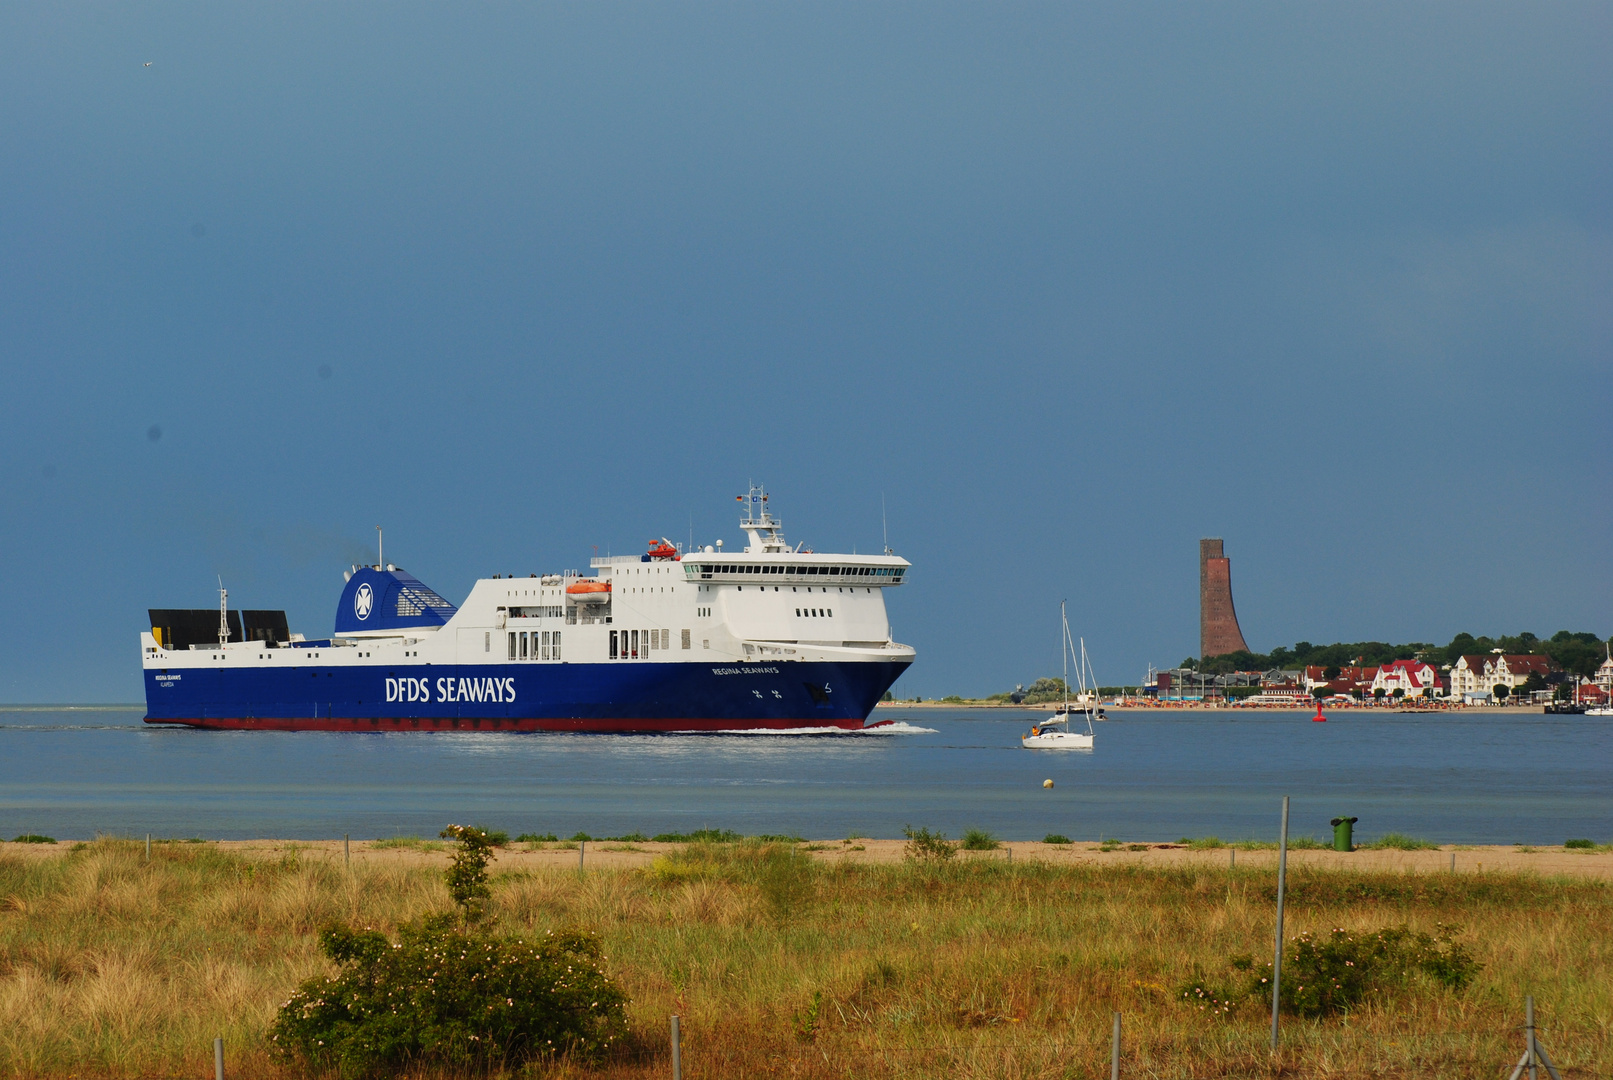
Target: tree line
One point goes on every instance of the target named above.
(1579, 653)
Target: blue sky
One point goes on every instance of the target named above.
(1068, 286)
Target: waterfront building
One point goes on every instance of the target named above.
(1413, 677)
(1470, 675)
(1354, 681)
(1513, 671)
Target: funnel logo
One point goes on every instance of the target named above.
(363, 600)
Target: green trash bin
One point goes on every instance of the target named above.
(1343, 833)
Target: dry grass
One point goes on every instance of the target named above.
(110, 967)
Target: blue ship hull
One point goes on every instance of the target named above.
(609, 697)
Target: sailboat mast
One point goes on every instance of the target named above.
(1064, 657)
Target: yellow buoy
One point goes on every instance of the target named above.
(1047, 783)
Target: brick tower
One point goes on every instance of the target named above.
(1218, 621)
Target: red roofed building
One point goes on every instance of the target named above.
(1411, 676)
(1513, 670)
(1350, 679)
(1469, 676)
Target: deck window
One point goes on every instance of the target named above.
(555, 654)
(613, 644)
(512, 645)
(523, 645)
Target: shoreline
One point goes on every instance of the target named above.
(599, 855)
(1137, 706)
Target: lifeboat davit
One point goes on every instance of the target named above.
(663, 549)
(588, 591)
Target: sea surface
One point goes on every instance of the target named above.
(1469, 777)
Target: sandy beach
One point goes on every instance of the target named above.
(597, 855)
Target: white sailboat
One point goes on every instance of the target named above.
(1056, 733)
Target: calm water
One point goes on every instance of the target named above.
(1467, 778)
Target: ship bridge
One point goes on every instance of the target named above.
(769, 560)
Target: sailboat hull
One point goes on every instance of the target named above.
(1057, 740)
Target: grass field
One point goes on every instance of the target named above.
(783, 966)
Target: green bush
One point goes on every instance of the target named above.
(1324, 976)
(1056, 838)
(537, 838)
(708, 836)
(406, 842)
(978, 840)
(926, 846)
(1579, 843)
(1203, 843)
(33, 838)
(445, 997)
(1401, 842)
(467, 870)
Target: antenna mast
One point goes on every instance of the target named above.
(884, 529)
(223, 614)
(380, 551)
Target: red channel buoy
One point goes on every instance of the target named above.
(1318, 718)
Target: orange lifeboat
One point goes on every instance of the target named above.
(588, 591)
(663, 549)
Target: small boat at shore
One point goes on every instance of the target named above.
(1056, 733)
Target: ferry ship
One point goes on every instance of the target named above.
(773, 636)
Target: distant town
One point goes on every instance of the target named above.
(1569, 670)
(1567, 667)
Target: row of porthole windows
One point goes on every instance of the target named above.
(793, 588)
(799, 571)
(539, 648)
(815, 613)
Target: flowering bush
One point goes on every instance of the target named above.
(1326, 975)
(447, 996)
